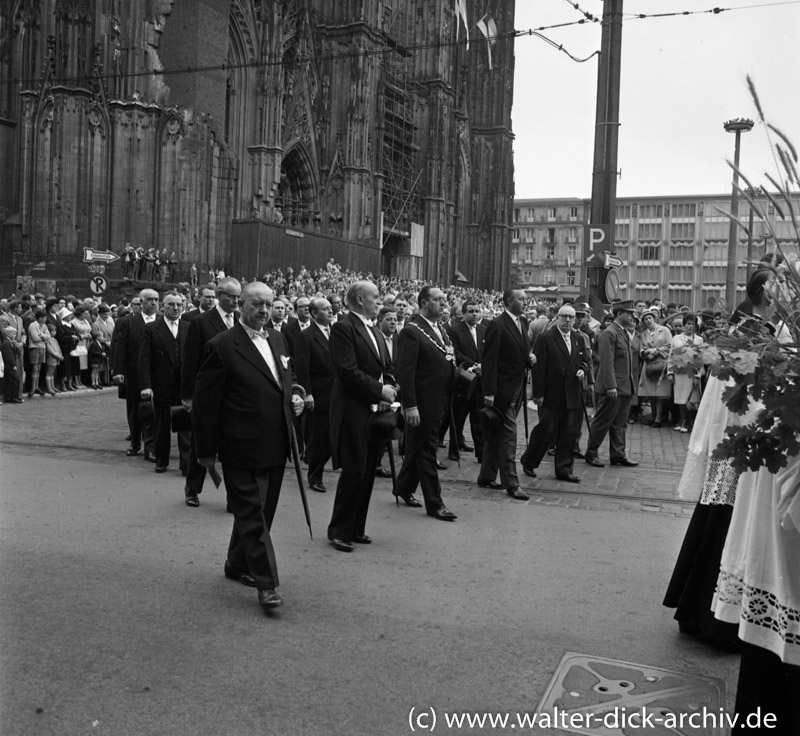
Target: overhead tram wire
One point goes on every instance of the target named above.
(386, 49)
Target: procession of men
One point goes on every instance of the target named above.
(348, 382)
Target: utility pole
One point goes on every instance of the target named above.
(606, 137)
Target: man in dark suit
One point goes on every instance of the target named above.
(160, 371)
(505, 360)
(424, 370)
(296, 325)
(562, 363)
(614, 387)
(126, 343)
(202, 328)
(242, 412)
(387, 329)
(314, 368)
(205, 302)
(467, 337)
(361, 382)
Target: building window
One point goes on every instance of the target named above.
(623, 212)
(548, 277)
(572, 234)
(516, 215)
(550, 250)
(622, 231)
(649, 251)
(528, 254)
(570, 278)
(551, 235)
(650, 211)
(681, 231)
(684, 211)
(572, 253)
(650, 231)
(551, 213)
(573, 213)
(514, 255)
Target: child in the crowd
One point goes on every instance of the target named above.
(54, 357)
(10, 373)
(97, 360)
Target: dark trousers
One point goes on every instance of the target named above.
(253, 495)
(184, 449)
(559, 426)
(419, 466)
(318, 449)
(610, 418)
(195, 473)
(162, 439)
(770, 686)
(463, 408)
(500, 449)
(354, 489)
(11, 385)
(141, 430)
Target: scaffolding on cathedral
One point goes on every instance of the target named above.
(400, 148)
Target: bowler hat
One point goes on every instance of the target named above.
(491, 418)
(465, 383)
(385, 425)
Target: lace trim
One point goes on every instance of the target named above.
(720, 485)
(716, 480)
(759, 607)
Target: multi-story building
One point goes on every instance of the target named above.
(673, 247)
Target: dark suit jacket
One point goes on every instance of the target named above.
(615, 368)
(466, 352)
(314, 367)
(202, 328)
(424, 373)
(126, 343)
(239, 412)
(504, 360)
(290, 331)
(553, 376)
(356, 384)
(160, 362)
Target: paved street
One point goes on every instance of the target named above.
(117, 619)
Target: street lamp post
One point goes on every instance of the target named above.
(737, 126)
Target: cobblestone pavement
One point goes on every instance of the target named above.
(91, 425)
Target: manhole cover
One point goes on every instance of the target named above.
(597, 696)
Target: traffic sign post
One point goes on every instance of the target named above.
(98, 285)
(99, 256)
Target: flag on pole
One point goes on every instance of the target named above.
(461, 12)
(488, 28)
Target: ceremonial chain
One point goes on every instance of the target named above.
(447, 349)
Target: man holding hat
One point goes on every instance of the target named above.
(614, 388)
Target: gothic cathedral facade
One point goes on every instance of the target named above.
(255, 134)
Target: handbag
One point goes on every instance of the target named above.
(655, 367)
(693, 402)
(78, 350)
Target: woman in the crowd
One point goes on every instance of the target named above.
(37, 349)
(83, 329)
(694, 579)
(67, 340)
(102, 332)
(653, 384)
(685, 378)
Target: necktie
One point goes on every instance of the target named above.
(474, 334)
(519, 324)
(228, 320)
(173, 327)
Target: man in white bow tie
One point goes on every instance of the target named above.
(242, 409)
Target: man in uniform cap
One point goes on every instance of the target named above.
(614, 388)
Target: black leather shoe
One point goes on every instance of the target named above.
(362, 539)
(131, 451)
(383, 473)
(341, 545)
(440, 466)
(569, 478)
(409, 500)
(318, 487)
(624, 462)
(551, 451)
(441, 444)
(191, 499)
(454, 456)
(594, 460)
(465, 447)
(161, 468)
(528, 470)
(518, 494)
(579, 455)
(489, 484)
(149, 457)
(269, 599)
(442, 514)
(240, 577)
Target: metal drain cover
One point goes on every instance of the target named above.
(608, 697)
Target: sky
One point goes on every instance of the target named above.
(681, 79)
